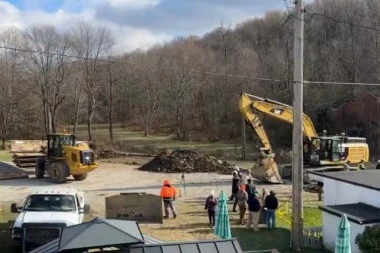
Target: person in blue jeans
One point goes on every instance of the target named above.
(271, 205)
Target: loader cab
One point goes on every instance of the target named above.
(56, 143)
(325, 150)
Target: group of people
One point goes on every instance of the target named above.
(248, 199)
(260, 209)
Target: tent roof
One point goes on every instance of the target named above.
(97, 233)
(209, 246)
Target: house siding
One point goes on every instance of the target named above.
(330, 232)
(340, 193)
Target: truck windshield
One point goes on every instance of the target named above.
(58, 203)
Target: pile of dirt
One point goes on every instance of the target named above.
(186, 161)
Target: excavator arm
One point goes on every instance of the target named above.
(250, 106)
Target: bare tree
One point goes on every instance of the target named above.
(48, 69)
(90, 43)
(10, 90)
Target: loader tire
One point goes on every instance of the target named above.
(80, 177)
(287, 172)
(58, 172)
(40, 167)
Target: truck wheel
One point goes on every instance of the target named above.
(58, 172)
(80, 177)
(40, 167)
(287, 172)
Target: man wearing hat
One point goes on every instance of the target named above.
(168, 193)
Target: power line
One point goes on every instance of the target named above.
(342, 22)
(144, 65)
(342, 83)
(313, 14)
(283, 83)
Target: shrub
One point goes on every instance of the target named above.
(369, 240)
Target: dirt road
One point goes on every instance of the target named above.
(112, 178)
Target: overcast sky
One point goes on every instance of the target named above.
(137, 23)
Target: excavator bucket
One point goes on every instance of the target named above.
(267, 170)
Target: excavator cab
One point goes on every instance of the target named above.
(325, 150)
(56, 143)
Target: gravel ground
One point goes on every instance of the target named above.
(113, 178)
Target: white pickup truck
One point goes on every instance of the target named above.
(45, 212)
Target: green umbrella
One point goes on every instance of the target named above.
(343, 244)
(222, 226)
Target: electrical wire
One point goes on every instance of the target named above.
(144, 65)
(313, 14)
(342, 83)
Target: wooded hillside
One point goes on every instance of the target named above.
(175, 86)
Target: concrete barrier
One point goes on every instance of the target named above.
(137, 206)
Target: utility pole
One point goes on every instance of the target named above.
(243, 151)
(297, 143)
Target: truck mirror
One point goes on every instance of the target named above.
(15, 208)
(86, 209)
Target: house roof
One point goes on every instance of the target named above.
(209, 246)
(365, 178)
(359, 213)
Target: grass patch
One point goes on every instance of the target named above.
(5, 156)
(192, 224)
(5, 237)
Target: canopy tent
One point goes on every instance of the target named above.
(98, 233)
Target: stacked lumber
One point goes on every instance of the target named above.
(25, 152)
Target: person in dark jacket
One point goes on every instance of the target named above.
(254, 208)
(271, 204)
(250, 188)
(235, 189)
(210, 206)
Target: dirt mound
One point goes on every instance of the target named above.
(186, 160)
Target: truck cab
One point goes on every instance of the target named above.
(44, 213)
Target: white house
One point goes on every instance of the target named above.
(355, 193)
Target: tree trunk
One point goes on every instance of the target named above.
(90, 115)
(77, 108)
(178, 119)
(3, 145)
(46, 123)
(110, 114)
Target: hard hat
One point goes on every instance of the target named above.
(166, 181)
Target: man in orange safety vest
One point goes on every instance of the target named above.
(168, 193)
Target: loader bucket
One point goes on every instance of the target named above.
(140, 207)
(267, 171)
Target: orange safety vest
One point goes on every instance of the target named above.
(168, 192)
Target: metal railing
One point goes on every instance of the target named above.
(262, 251)
(313, 237)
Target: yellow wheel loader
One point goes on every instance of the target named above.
(65, 158)
(321, 153)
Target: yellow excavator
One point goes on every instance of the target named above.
(321, 153)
